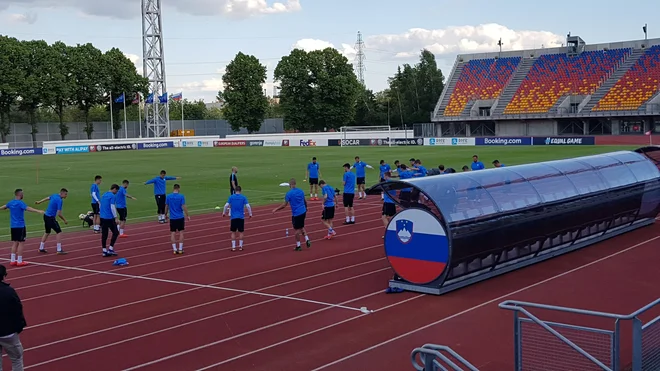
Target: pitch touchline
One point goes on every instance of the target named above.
(330, 305)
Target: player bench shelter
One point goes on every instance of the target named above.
(475, 225)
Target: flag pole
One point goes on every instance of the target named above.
(112, 126)
(140, 113)
(183, 122)
(125, 122)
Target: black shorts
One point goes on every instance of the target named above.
(313, 181)
(177, 225)
(18, 234)
(404, 198)
(237, 225)
(382, 180)
(298, 222)
(110, 224)
(328, 213)
(360, 180)
(95, 208)
(51, 224)
(348, 199)
(389, 209)
(122, 212)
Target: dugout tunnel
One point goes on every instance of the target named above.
(471, 226)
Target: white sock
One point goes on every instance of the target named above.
(348, 219)
(121, 231)
(105, 250)
(352, 218)
(111, 248)
(240, 243)
(233, 244)
(311, 195)
(181, 246)
(174, 246)
(13, 258)
(306, 238)
(59, 247)
(42, 246)
(298, 243)
(19, 259)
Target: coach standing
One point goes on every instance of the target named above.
(159, 192)
(12, 323)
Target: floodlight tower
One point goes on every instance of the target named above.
(153, 63)
(359, 58)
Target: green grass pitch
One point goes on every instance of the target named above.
(205, 173)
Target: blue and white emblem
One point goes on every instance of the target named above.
(404, 230)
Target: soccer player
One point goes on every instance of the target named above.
(109, 220)
(405, 194)
(53, 211)
(237, 203)
(384, 167)
(233, 180)
(159, 192)
(497, 163)
(296, 199)
(96, 197)
(476, 164)
(175, 207)
(420, 170)
(328, 213)
(313, 174)
(120, 203)
(361, 175)
(389, 207)
(465, 168)
(349, 194)
(17, 208)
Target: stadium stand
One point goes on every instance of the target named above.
(480, 79)
(556, 75)
(636, 87)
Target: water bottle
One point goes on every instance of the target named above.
(287, 232)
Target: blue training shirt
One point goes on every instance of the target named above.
(313, 169)
(421, 172)
(407, 174)
(296, 199)
(107, 201)
(17, 213)
(159, 184)
(175, 202)
(237, 204)
(94, 190)
(389, 196)
(349, 179)
(477, 165)
(360, 171)
(120, 198)
(330, 201)
(54, 205)
(383, 169)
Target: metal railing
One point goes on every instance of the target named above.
(439, 358)
(549, 346)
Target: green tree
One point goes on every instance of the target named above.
(11, 80)
(318, 90)
(122, 78)
(245, 103)
(61, 85)
(195, 110)
(37, 65)
(89, 80)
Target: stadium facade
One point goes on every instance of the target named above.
(578, 89)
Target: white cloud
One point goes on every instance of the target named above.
(128, 9)
(29, 18)
(314, 44)
(459, 39)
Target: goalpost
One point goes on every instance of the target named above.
(348, 132)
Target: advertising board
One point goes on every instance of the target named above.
(564, 141)
(504, 141)
(451, 141)
(21, 152)
(255, 143)
(66, 150)
(155, 145)
(229, 143)
(113, 147)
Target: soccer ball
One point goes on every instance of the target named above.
(82, 216)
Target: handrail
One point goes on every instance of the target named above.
(515, 305)
(434, 350)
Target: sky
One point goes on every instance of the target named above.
(202, 36)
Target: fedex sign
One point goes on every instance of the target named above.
(307, 143)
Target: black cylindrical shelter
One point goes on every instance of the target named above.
(466, 227)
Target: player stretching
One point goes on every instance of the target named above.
(175, 207)
(349, 194)
(109, 220)
(384, 167)
(96, 197)
(328, 213)
(53, 211)
(389, 207)
(313, 173)
(296, 199)
(237, 203)
(361, 175)
(122, 209)
(159, 192)
(17, 209)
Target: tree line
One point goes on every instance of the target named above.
(319, 90)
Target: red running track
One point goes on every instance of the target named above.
(270, 308)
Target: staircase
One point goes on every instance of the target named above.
(614, 78)
(512, 87)
(451, 85)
